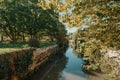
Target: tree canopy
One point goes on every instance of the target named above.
(24, 17)
(102, 32)
(100, 16)
(98, 23)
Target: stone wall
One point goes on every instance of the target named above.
(40, 55)
(18, 64)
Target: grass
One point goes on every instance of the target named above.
(45, 44)
(9, 44)
(7, 50)
(6, 47)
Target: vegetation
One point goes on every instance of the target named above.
(21, 19)
(7, 46)
(33, 43)
(99, 29)
(24, 23)
(98, 23)
(97, 20)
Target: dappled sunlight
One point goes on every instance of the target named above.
(8, 50)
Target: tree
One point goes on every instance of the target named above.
(24, 17)
(102, 19)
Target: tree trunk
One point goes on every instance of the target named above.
(23, 37)
(2, 38)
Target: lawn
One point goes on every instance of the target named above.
(6, 47)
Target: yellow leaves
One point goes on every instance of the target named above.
(55, 4)
(76, 18)
(45, 4)
(88, 52)
(68, 1)
(83, 9)
(91, 11)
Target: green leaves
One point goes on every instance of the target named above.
(103, 33)
(26, 18)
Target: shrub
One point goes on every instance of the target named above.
(33, 43)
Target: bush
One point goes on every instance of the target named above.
(33, 43)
